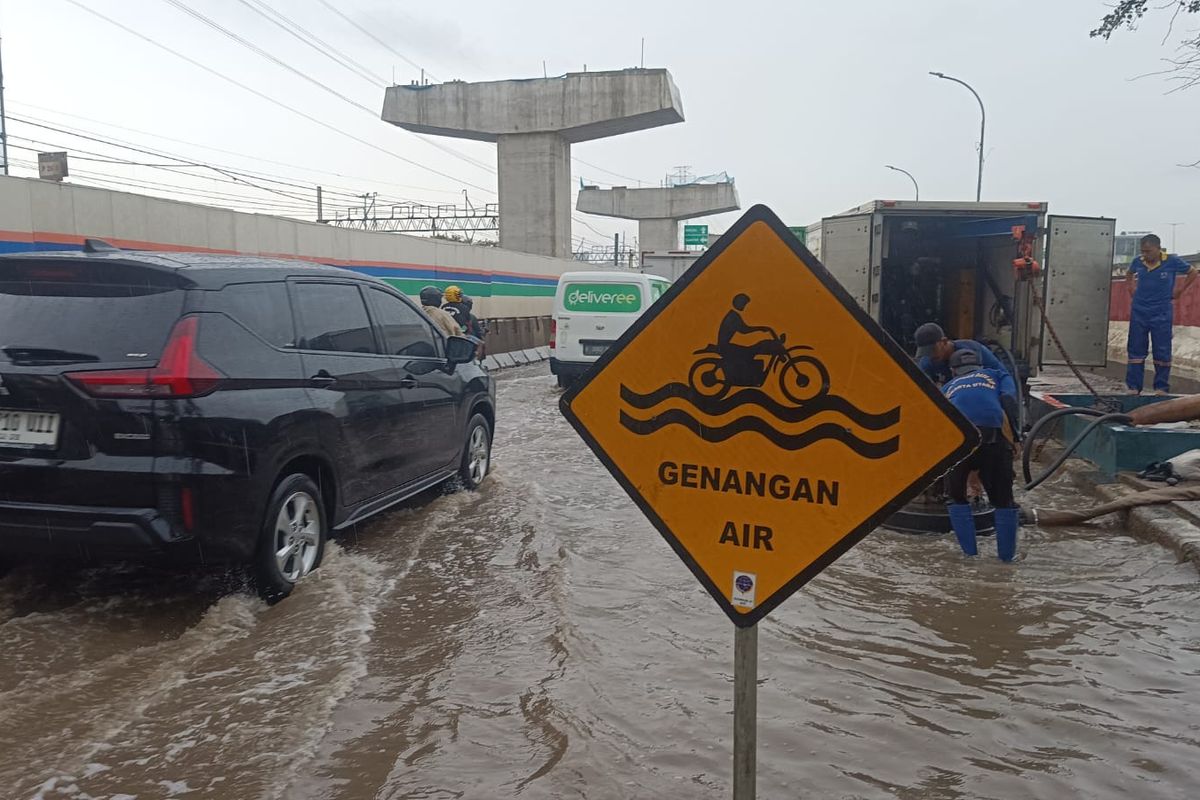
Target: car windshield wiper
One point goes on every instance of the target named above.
(35, 356)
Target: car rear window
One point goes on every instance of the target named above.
(612, 298)
(85, 311)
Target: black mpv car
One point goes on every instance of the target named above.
(220, 408)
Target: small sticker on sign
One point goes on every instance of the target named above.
(743, 589)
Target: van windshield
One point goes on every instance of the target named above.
(609, 298)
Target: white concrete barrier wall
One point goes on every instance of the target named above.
(40, 215)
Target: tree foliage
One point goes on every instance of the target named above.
(1126, 13)
(1184, 67)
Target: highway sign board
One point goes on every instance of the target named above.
(801, 234)
(761, 420)
(695, 235)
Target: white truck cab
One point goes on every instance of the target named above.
(591, 311)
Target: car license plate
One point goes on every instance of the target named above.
(595, 349)
(28, 429)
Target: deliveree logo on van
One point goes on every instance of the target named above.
(605, 297)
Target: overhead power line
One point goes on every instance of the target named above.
(234, 175)
(191, 12)
(256, 159)
(377, 40)
(610, 172)
(134, 147)
(274, 101)
(295, 71)
(309, 38)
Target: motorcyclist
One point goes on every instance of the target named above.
(456, 308)
(475, 327)
(740, 361)
(431, 304)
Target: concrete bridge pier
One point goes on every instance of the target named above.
(535, 122)
(659, 211)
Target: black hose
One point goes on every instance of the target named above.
(1012, 365)
(1042, 423)
(1058, 462)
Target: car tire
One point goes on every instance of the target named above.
(477, 453)
(563, 381)
(291, 543)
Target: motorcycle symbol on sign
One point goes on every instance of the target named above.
(778, 391)
(723, 366)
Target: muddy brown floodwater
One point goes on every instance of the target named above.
(539, 640)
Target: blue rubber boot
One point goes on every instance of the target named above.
(1007, 521)
(962, 519)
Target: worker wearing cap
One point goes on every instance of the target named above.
(934, 349)
(986, 397)
(1151, 279)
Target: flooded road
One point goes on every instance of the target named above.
(539, 640)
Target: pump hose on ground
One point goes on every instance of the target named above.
(1086, 432)
(1149, 497)
(1100, 419)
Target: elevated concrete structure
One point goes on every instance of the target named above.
(534, 122)
(659, 211)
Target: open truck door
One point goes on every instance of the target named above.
(1077, 285)
(846, 253)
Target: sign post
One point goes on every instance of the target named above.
(764, 424)
(745, 711)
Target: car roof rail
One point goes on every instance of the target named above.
(99, 246)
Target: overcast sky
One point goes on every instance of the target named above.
(803, 103)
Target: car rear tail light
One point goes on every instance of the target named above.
(187, 509)
(180, 371)
(553, 332)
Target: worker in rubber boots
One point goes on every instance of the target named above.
(986, 397)
(1151, 280)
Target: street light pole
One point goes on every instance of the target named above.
(982, 127)
(916, 188)
(1173, 225)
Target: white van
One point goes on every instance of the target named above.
(591, 311)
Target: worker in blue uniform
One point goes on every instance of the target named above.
(1151, 280)
(934, 349)
(986, 397)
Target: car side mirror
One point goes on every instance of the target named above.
(459, 350)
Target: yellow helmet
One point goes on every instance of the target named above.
(453, 294)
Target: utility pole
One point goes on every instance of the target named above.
(3, 121)
(320, 207)
(616, 249)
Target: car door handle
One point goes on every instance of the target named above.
(408, 382)
(322, 380)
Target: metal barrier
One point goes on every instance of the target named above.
(506, 334)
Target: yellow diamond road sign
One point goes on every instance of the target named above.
(761, 420)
